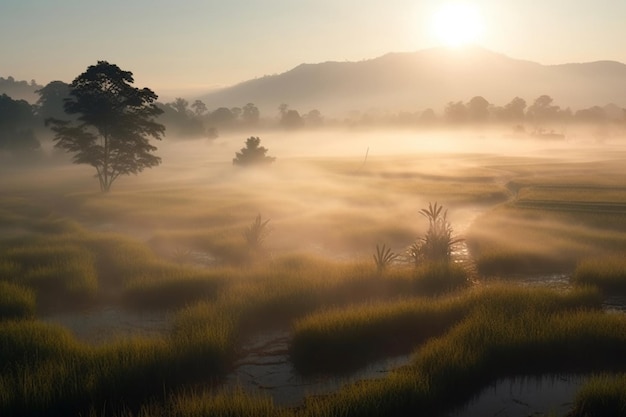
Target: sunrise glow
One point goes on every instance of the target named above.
(457, 24)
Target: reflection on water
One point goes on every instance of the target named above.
(524, 396)
(103, 324)
(265, 368)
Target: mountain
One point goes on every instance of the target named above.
(427, 79)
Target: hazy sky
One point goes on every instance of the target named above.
(171, 46)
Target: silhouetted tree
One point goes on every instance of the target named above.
(250, 114)
(115, 121)
(181, 106)
(19, 90)
(478, 109)
(595, 114)
(542, 111)
(52, 99)
(222, 117)
(199, 107)
(313, 118)
(16, 121)
(427, 117)
(180, 120)
(456, 112)
(252, 154)
(289, 118)
(514, 110)
(236, 112)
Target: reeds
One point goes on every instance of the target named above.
(607, 273)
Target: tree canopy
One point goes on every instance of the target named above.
(115, 121)
(252, 154)
(16, 121)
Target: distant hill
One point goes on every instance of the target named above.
(19, 90)
(427, 79)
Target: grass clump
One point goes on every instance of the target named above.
(16, 302)
(607, 273)
(345, 338)
(224, 404)
(601, 396)
(57, 269)
(438, 242)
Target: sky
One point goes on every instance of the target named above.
(178, 48)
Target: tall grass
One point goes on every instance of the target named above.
(345, 338)
(16, 301)
(57, 270)
(512, 331)
(608, 273)
(601, 396)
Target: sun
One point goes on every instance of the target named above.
(457, 24)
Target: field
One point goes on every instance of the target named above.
(200, 259)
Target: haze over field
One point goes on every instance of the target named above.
(312, 208)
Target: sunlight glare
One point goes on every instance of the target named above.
(457, 24)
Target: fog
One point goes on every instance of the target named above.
(339, 193)
(335, 193)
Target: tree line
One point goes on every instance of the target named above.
(21, 124)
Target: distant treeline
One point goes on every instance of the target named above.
(22, 124)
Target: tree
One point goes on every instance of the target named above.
(115, 122)
(478, 109)
(514, 110)
(456, 112)
(199, 107)
(181, 106)
(252, 154)
(51, 100)
(543, 111)
(250, 114)
(16, 122)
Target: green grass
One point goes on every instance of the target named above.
(512, 332)
(601, 396)
(16, 302)
(346, 338)
(56, 270)
(326, 218)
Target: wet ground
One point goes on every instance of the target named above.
(549, 395)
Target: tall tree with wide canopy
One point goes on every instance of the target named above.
(115, 122)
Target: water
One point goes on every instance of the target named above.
(524, 396)
(102, 324)
(265, 368)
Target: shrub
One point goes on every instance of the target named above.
(252, 154)
(383, 258)
(438, 243)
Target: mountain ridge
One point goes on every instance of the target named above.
(429, 78)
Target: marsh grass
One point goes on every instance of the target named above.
(510, 332)
(601, 396)
(328, 210)
(607, 273)
(46, 371)
(345, 338)
(171, 288)
(16, 302)
(58, 271)
(514, 240)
